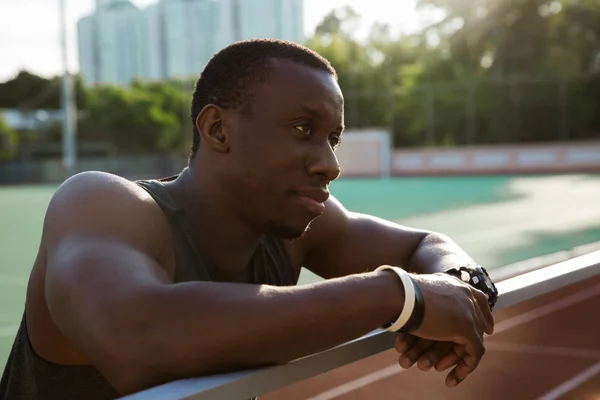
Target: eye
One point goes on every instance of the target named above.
(304, 128)
(335, 141)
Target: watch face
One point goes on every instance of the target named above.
(478, 277)
(488, 282)
(483, 282)
(465, 276)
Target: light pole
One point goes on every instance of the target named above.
(69, 107)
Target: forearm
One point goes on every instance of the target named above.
(202, 328)
(437, 253)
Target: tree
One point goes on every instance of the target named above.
(29, 91)
(521, 37)
(140, 119)
(339, 22)
(8, 140)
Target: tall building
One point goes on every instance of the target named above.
(102, 3)
(175, 38)
(195, 29)
(156, 61)
(112, 43)
(87, 44)
(281, 19)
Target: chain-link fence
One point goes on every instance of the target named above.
(482, 111)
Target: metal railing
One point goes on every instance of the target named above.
(255, 382)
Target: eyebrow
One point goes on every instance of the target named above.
(313, 112)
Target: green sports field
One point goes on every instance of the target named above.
(499, 220)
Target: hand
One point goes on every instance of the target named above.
(426, 353)
(456, 313)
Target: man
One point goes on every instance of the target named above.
(139, 283)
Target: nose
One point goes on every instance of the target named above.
(325, 163)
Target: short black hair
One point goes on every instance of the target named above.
(229, 75)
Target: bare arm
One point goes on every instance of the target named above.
(109, 295)
(343, 242)
(437, 253)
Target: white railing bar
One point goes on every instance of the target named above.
(545, 280)
(250, 383)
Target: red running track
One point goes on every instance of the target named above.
(543, 349)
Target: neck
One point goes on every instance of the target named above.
(219, 234)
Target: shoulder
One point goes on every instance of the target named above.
(97, 180)
(103, 204)
(102, 192)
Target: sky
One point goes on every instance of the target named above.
(30, 29)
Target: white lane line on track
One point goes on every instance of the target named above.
(509, 323)
(572, 383)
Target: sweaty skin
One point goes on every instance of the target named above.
(101, 291)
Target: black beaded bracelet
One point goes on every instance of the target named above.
(477, 277)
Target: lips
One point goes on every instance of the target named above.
(313, 200)
(320, 196)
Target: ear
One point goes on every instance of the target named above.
(210, 126)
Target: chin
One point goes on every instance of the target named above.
(288, 231)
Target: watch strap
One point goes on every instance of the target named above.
(477, 277)
(413, 310)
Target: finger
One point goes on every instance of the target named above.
(450, 359)
(474, 350)
(480, 323)
(409, 357)
(434, 354)
(482, 301)
(404, 341)
(452, 380)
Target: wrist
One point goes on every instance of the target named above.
(410, 311)
(393, 295)
(476, 276)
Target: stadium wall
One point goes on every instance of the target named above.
(129, 166)
(365, 153)
(368, 153)
(486, 160)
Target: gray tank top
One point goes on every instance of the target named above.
(29, 377)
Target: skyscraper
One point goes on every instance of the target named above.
(175, 38)
(113, 44)
(281, 19)
(103, 3)
(155, 31)
(195, 29)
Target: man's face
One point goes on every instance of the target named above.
(283, 150)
